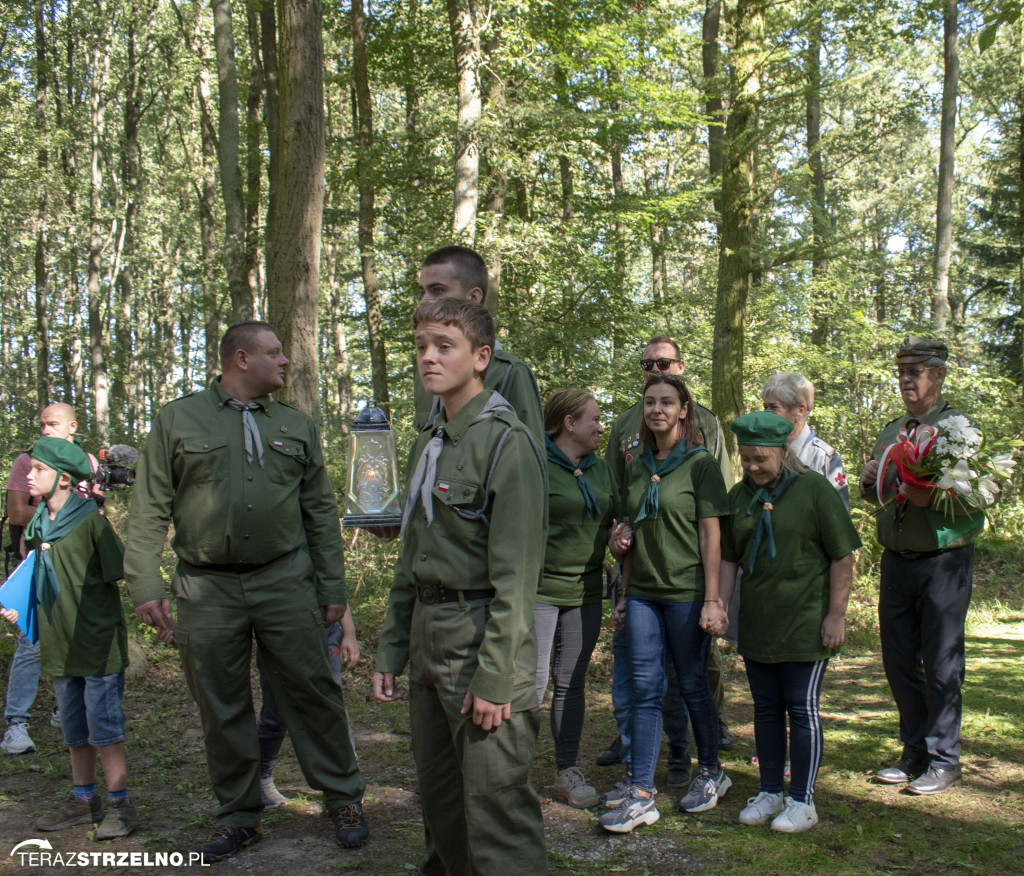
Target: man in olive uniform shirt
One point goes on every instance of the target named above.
(460, 611)
(259, 548)
(927, 576)
(460, 272)
(661, 356)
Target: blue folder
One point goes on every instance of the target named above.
(18, 593)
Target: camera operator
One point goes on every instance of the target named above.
(56, 420)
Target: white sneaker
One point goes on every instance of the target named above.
(16, 739)
(762, 808)
(55, 718)
(271, 796)
(796, 817)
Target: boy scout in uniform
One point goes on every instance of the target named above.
(259, 549)
(460, 611)
(460, 272)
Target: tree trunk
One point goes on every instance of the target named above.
(735, 259)
(493, 86)
(944, 209)
(710, 58)
(293, 286)
(363, 130)
(1020, 206)
(253, 153)
(42, 280)
(242, 303)
(272, 113)
(820, 227)
(564, 165)
(100, 64)
(465, 31)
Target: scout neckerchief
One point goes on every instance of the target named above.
(47, 588)
(680, 453)
(556, 456)
(767, 498)
(421, 485)
(250, 430)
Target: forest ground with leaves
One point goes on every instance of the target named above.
(977, 828)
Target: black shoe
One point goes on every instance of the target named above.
(611, 755)
(349, 826)
(902, 772)
(724, 737)
(679, 773)
(226, 840)
(936, 780)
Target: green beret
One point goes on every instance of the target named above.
(64, 457)
(915, 349)
(762, 429)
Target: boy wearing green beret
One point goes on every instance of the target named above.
(83, 640)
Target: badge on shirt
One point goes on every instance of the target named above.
(443, 488)
(840, 479)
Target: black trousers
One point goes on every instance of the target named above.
(922, 608)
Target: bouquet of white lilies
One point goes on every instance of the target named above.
(952, 456)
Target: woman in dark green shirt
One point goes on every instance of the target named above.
(675, 495)
(794, 540)
(567, 615)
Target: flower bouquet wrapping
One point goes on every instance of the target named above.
(952, 457)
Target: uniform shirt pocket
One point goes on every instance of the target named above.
(286, 461)
(460, 497)
(205, 460)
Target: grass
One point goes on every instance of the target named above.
(976, 828)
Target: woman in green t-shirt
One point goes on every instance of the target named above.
(567, 615)
(674, 497)
(794, 540)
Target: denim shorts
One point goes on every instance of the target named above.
(90, 709)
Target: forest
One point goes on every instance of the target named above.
(776, 185)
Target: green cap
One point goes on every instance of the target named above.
(929, 350)
(762, 429)
(64, 457)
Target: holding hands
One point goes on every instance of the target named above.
(713, 618)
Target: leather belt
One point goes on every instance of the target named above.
(233, 568)
(435, 594)
(916, 555)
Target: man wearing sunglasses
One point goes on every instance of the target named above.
(661, 356)
(927, 575)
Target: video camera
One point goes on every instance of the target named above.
(116, 469)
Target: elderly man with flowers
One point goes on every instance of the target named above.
(930, 515)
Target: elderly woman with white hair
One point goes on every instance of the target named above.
(791, 395)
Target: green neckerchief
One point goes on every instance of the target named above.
(680, 453)
(767, 498)
(556, 456)
(47, 588)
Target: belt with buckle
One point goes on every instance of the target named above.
(233, 568)
(435, 594)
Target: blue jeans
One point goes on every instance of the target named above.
(656, 629)
(22, 681)
(90, 709)
(793, 689)
(673, 712)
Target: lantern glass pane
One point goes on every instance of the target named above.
(372, 473)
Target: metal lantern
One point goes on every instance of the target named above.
(371, 481)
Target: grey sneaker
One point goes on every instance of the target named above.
(271, 796)
(634, 812)
(74, 812)
(705, 790)
(55, 718)
(120, 819)
(16, 739)
(571, 787)
(615, 797)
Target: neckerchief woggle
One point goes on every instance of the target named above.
(558, 457)
(680, 453)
